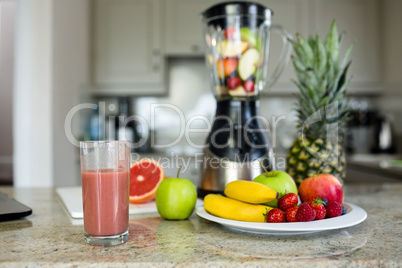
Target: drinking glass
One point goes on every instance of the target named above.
(105, 191)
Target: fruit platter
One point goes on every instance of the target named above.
(354, 216)
(317, 205)
(271, 203)
(245, 206)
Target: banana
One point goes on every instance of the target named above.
(250, 192)
(231, 209)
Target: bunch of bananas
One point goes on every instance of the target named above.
(243, 201)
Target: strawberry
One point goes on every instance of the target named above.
(231, 33)
(305, 213)
(334, 209)
(318, 206)
(233, 82)
(276, 215)
(287, 201)
(291, 214)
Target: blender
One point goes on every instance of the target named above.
(237, 38)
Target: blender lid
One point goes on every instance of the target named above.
(237, 8)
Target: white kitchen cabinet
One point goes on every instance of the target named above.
(127, 47)
(183, 28)
(132, 40)
(360, 19)
(392, 34)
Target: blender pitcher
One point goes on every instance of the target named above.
(237, 51)
(237, 41)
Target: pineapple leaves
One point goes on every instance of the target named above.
(339, 80)
(323, 101)
(298, 64)
(307, 54)
(311, 41)
(332, 44)
(322, 81)
(320, 59)
(346, 56)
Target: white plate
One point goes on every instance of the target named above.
(354, 216)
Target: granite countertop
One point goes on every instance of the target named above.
(50, 238)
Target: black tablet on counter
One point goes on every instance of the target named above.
(11, 209)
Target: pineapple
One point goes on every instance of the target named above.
(322, 108)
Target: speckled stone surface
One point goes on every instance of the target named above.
(49, 238)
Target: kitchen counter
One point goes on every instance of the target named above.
(50, 238)
(373, 168)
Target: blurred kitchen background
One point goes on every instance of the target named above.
(126, 55)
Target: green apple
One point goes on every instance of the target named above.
(279, 181)
(248, 63)
(176, 198)
(248, 36)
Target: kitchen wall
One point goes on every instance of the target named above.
(66, 48)
(52, 65)
(71, 72)
(7, 24)
(390, 101)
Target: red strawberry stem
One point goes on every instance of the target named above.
(318, 201)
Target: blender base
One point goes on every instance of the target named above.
(218, 171)
(201, 193)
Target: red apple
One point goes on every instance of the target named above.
(321, 185)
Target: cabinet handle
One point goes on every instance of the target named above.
(197, 48)
(156, 60)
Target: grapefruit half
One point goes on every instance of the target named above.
(145, 177)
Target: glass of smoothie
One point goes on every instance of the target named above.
(105, 191)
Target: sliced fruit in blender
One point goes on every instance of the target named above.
(231, 49)
(228, 66)
(248, 36)
(232, 33)
(210, 59)
(233, 82)
(239, 91)
(249, 86)
(248, 63)
(221, 90)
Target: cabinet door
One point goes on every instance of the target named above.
(127, 47)
(183, 28)
(293, 16)
(360, 21)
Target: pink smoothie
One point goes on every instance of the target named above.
(105, 198)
